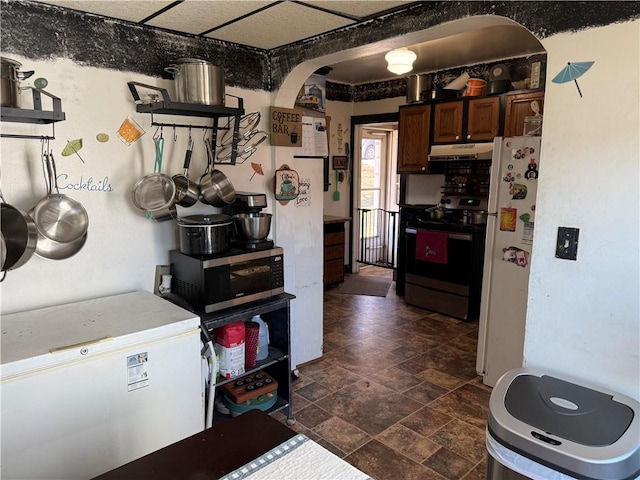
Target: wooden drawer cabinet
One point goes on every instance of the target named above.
(518, 106)
(333, 271)
(333, 238)
(334, 249)
(334, 252)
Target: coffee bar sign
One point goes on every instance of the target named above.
(285, 127)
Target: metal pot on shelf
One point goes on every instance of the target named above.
(204, 234)
(416, 85)
(197, 81)
(10, 77)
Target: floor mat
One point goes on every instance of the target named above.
(366, 285)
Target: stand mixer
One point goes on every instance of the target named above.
(246, 211)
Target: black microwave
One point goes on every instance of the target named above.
(210, 284)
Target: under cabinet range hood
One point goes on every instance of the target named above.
(461, 151)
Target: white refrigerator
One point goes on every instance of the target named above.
(507, 257)
(89, 386)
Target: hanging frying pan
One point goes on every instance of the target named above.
(215, 187)
(187, 192)
(155, 193)
(20, 236)
(58, 216)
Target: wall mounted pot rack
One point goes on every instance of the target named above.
(163, 105)
(37, 115)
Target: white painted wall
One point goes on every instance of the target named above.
(122, 247)
(583, 316)
(340, 113)
(387, 105)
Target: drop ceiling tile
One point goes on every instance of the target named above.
(282, 24)
(358, 8)
(197, 16)
(131, 10)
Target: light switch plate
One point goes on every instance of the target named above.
(567, 243)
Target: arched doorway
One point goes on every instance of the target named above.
(302, 231)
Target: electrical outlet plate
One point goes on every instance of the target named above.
(160, 270)
(567, 243)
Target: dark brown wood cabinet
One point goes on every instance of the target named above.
(334, 248)
(483, 122)
(471, 120)
(447, 122)
(413, 138)
(518, 106)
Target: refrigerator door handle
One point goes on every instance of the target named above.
(493, 214)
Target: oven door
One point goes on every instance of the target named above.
(458, 268)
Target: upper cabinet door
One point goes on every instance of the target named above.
(518, 107)
(447, 126)
(484, 119)
(413, 139)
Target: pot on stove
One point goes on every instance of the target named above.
(437, 213)
(478, 217)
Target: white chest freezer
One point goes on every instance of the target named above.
(89, 386)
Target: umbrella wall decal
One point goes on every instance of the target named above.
(257, 168)
(572, 72)
(72, 147)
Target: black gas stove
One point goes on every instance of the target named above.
(454, 220)
(453, 223)
(452, 285)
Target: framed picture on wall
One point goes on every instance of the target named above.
(340, 162)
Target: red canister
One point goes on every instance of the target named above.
(229, 346)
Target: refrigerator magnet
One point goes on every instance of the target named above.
(532, 171)
(515, 255)
(518, 191)
(508, 218)
(508, 177)
(527, 234)
(517, 153)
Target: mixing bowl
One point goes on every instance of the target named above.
(252, 226)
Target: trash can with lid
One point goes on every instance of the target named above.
(546, 427)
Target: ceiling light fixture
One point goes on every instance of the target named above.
(400, 60)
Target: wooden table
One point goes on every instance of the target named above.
(211, 453)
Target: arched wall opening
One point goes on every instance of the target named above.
(300, 231)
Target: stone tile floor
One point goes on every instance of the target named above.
(395, 393)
